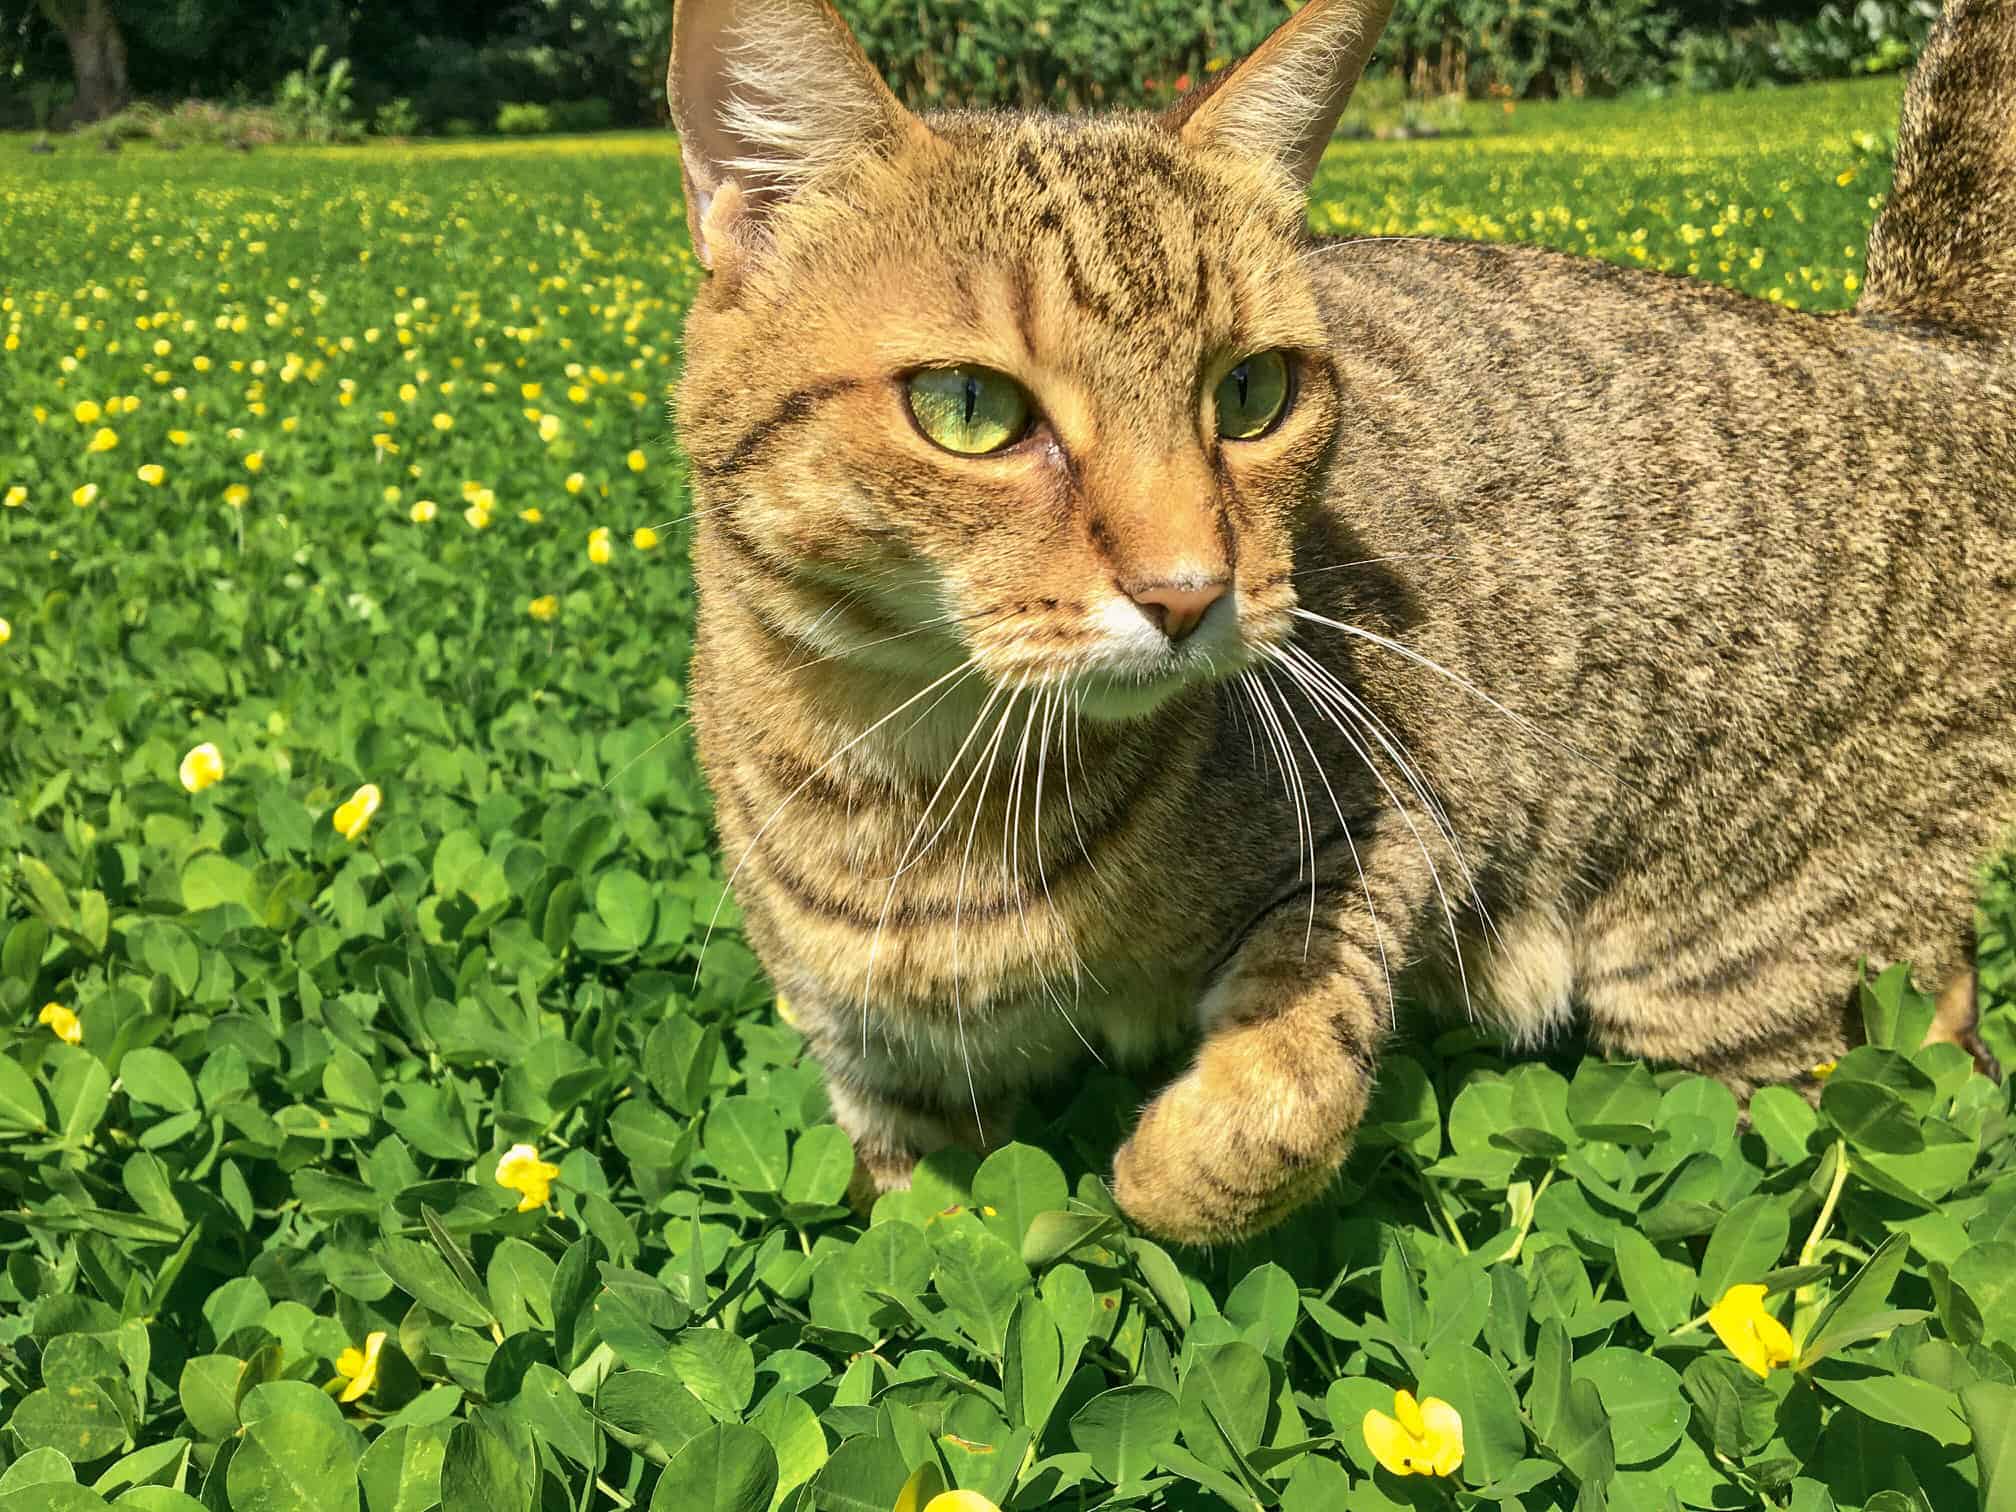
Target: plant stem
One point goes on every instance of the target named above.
(1526, 1223)
(1813, 1239)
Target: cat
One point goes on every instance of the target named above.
(1124, 616)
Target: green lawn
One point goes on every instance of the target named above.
(307, 457)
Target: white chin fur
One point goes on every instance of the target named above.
(1139, 668)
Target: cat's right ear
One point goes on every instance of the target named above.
(768, 97)
(1281, 102)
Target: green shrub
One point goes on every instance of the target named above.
(524, 120)
(993, 54)
(315, 105)
(583, 115)
(396, 118)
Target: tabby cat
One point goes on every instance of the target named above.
(1126, 616)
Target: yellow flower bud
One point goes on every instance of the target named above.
(353, 815)
(644, 538)
(637, 460)
(201, 767)
(153, 474)
(545, 608)
(62, 1023)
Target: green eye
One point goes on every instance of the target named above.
(969, 410)
(1252, 396)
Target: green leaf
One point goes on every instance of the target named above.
(1917, 1405)
(1785, 1120)
(295, 1462)
(744, 1140)
(1641, 1398)
(1123, 1428)
(1990, 1408)
(1494, 1439)
(401, 1471)
(557, 1416)
(211, 880)
(1661, 1291)
(865, 1474)
(80, 1421)
(481, 1473)
(1746, 1243)
(1052, 1236)
(419, 1271)
(980, 1278)
(1018, 1182)
(822, 1165)
(718, 1367)
(796, 1438)
(1265, 1305)
(1231, 1384)
(20, 1101)
(156, 1078)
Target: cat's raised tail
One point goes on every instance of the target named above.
(1943, 250)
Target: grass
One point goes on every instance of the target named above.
(358, 418)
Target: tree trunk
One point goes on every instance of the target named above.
(97, 55)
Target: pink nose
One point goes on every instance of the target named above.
(1177, 608)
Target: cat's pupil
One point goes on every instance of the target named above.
(1239, 376)
(972, 397)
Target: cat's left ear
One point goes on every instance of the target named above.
(768, 97)
(1281, 102)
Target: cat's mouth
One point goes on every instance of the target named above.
(1137, 664)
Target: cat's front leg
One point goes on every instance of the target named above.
(1262, 1120)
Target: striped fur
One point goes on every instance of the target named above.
(1600, 643)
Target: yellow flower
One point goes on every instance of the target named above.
(424, 511)
(477, 516)
(178, 438)
(1421, 1438)
(153, 474)
(62, 1023)
(201, 364)
(85, 496)
(925, 1491)
(531, 515)
(444, 422)
(358, 1368)
(1751, 1334)
(104, 441)
(576, 393)
(545, 608)
(637, 460)
(16, 496)
(522, 1171)
(1845, 177)
(236, 495)
(354, 813)
(201, 767)
(255, 461)
(1824, 1070)
(575, 483)
(645, 538)
(6, 632)
(531, 390)
(598, 545)
(87, 412)
(786, 1013)
(549, 427)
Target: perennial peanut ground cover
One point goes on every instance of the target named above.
(366, 1142)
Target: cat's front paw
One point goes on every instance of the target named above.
(1219, 1155)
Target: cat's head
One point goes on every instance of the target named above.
(1048, 393)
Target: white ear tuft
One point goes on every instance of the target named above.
(769, 96)
(1282, 101)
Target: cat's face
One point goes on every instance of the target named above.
(1044, 395)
